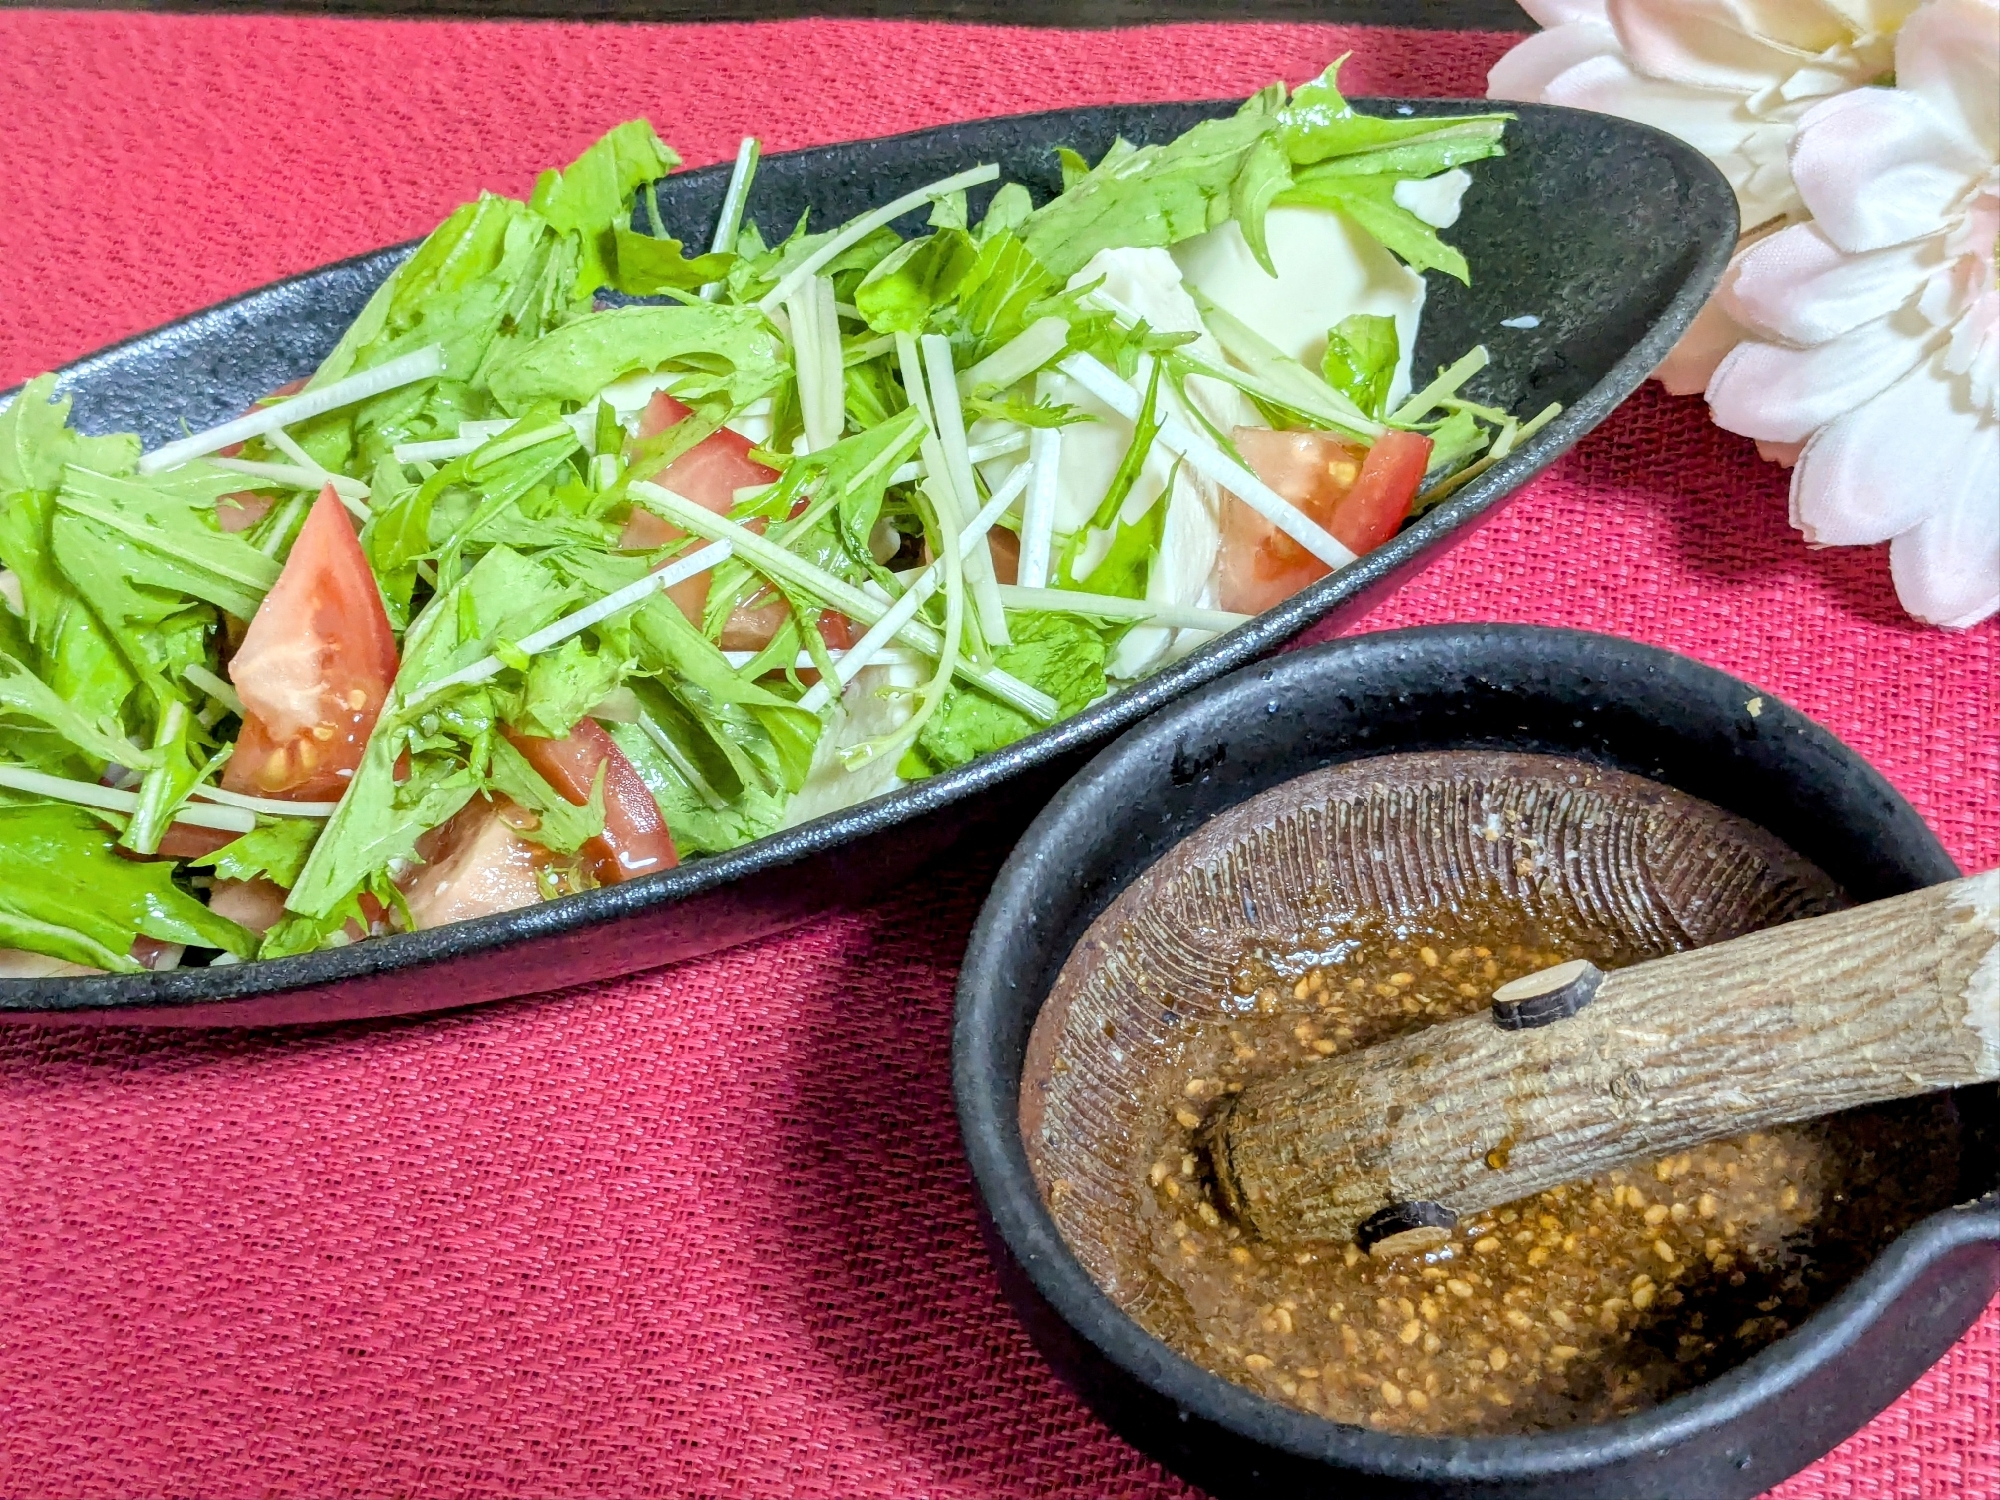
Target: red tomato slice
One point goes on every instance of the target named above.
(475, 865)
(1005, 549)
(243, 509)
(635, 839)
(1370, 513)
(1360, 498)
(710, 473)
(314, 667)
(185, 841)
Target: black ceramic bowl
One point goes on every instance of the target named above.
(1457, 687)
(1610, 233)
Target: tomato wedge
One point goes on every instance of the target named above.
(314, 668)
(710, 473)
(1359, 497)
(635, 840)
(1370, 513)
(476, 865)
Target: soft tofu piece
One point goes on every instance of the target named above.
(866, 713)
(1145, 283)
(1328, 270)
(1435, 200)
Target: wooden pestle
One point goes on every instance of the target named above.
(1576, 1071)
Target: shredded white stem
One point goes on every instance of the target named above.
(859, 229)
(1038, 511)
(875, 641)
(1018, 358)
(214, 686)
(1110, 607)
(110, 799)
(1211, 462)
(351, 491)
(472, 436)
(1506, 443)
(817, 360)
(950, 419)
(558, 631)
(729, 223)
(391, 375)
(836, 593)
(1448, 382)
(998, 447)
(804, 660)
(269, 806)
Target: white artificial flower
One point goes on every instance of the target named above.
(1872, 333)
(1729, 77)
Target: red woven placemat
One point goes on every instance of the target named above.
(707, 1231)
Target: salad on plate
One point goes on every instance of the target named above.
(581, 555)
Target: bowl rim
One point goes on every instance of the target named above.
(990, 1133)
(1709, 208)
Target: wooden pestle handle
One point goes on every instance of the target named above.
(1882, 1001)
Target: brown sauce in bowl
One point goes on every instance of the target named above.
(1581, 1304)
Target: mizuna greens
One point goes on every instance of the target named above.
(581, 553)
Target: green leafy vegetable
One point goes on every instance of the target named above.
(1371, 202)
(643, 265)
(1360, 360)
(1320, 125)
(65, 892)
(899, 294)
(734, 347)
(1063, 655)
(563, 685)
(276, 850)
(589, 197)
(1154, 195)
(37, 443)
(560, 824)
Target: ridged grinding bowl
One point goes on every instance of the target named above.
(1159, 833)
(1617, 862)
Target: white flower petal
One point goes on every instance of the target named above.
(1784, 395)
(1531, 66)
(1879, 167)
(1887, 465)
(1974, 353)
(1875, 17)
(1718, 125)
(1812, 26)
(1797, 287)
(1947, 570)
(1691, 363)
(1949, 53)
(1710, 44)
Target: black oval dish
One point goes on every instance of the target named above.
(1610, 233)
(1457, 687)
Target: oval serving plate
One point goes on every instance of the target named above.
(1610, 234)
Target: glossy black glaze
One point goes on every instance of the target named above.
(1477, 687)
(1611, 233)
